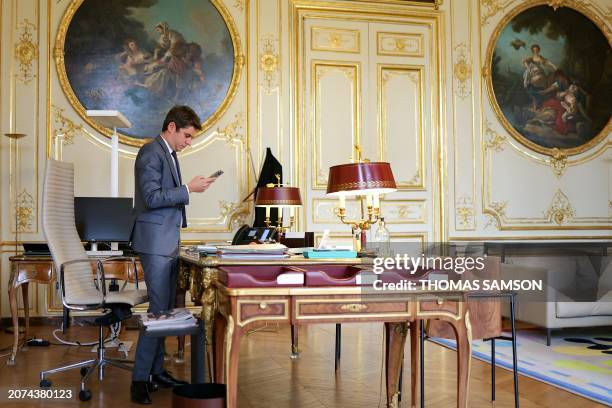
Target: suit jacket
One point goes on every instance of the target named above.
(159, 201)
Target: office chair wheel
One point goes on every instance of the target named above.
(45, 383)
(84, 371)
(84, 395)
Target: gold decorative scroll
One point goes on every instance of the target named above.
(26, 51)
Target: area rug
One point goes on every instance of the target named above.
(578, 360)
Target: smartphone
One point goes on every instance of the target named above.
(216, 174)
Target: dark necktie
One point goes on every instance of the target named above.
(178, 172)
(178, 168)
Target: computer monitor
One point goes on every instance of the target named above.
(103, 219)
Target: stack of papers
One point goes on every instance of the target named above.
(207, 249)
(261, 251)
(172, 319)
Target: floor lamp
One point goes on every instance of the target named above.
(14, 169)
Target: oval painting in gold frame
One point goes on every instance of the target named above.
(548, 73)
(142, 57)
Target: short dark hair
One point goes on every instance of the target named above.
(182, 116)
(535, 46)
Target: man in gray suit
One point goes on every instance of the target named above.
(159, 205)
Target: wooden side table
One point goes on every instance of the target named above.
(40, 269)
(23, 271)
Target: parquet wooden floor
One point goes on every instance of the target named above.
(269, 379)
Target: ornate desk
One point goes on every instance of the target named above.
(40, 269)
(229, 312)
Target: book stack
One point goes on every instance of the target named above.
(253, 252)
(169, 320)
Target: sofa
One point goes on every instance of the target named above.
(578, 290)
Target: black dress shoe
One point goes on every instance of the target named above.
(165, 380)
(152, 387)
(140, 392)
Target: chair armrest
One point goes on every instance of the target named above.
(63, 286)
(123, 258)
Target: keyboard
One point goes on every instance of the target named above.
(104, 253)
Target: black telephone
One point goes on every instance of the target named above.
(247, 234)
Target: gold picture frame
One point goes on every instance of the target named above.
(524, 42)
(237, 65)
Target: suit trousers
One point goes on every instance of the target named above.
(161, 274)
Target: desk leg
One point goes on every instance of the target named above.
(463, 331)
(218, 348)
(295, 351)
(414, 362)
(233, 335)
(394, 353)
(14, 314)
(26, 311)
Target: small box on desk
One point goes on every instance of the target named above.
(298, 239)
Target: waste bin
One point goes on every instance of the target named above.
(199, 396)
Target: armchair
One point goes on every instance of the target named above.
(78, 288)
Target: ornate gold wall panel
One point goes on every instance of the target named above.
(558, 199)
(268, 95)
(222, 146)
(462, 197)
(401, 106)
(398, 67)
(399, 44)
(394, 211)
(21, 162)
(337, 105)
(334, 39)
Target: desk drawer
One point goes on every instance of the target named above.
(41, 272)
(451, 308)
(347, 308)
(262, 309)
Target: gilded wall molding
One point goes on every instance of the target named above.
(462, 71)
(415, 75)
(269, 62)
(560, 210)
(465, 214)
(335, 39)
(558, 162)
(320, 69)
(239, 4)
(231, 215)
(230, 133)
(490, 8)
(493, 140)
(399, 44)
(237, 213)
(495, 213)
(25, 210)
(26, 51)
(67, 128)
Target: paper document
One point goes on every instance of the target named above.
(253, 249)
(290, 278)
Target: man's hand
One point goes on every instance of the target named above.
(200, 183)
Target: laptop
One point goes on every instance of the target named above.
(36, 249)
